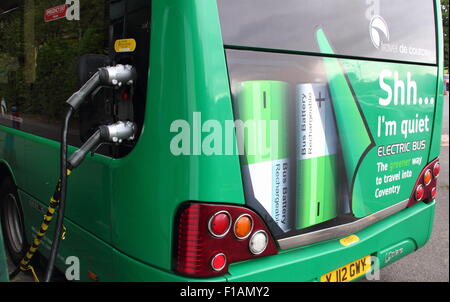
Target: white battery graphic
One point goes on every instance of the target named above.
(264, 104)
(316, 145)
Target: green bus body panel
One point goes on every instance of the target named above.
(89, 187)
(130, 270)
(188, 74)
(308, 263)
(130, 203)
(407, 230)
(93, 253)
(12, 152)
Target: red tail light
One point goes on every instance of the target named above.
(220, 224)
(425, 187)
(436, 169)
(218, 262)
(204, 245)
(433, 193)
(420, 192)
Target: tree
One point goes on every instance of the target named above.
(38, 60)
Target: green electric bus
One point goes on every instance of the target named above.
(293, 140)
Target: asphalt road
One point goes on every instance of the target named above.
(429, 263)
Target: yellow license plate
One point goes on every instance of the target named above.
(349, 271)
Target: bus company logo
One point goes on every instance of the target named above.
(70, 10)
(392, 254)
(379, 31)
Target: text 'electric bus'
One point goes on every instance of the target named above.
(228, 140)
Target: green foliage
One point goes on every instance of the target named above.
(56, 77)
(55, 49)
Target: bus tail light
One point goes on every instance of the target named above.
(205, 246)
(427, 177)
(218, 262)
(243, 226)
(420, 192)
(433, 193)
(258, 242)
(219, 224)
(425, 187)
(436, 169)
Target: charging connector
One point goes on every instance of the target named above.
(115, 76)
(106, 76)
(115, 133)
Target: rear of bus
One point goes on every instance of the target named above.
(278, 140)
(339, 169)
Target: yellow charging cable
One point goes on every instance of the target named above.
(54, 203)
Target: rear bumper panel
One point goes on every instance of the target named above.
(390, 239)
(407, 231)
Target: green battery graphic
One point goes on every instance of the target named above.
(263, 108)
(355, 137)
(317, 144)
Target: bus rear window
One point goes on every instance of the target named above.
(402, 30)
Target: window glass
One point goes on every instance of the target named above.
(397, 30)
(43, 45)
(291, 159)
(39, 54)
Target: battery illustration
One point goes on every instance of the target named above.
(263, 108)
(317, 143)
(355, 136)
